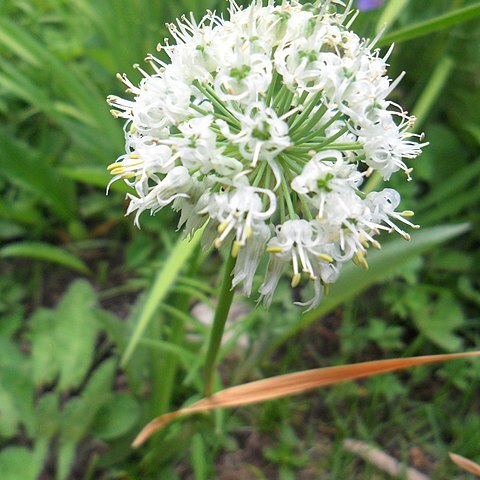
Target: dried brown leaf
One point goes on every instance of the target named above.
(292, 384)
(382, 460)
(465, 463)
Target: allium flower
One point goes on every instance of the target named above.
(263, 127)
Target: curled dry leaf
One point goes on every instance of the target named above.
(291, 384)
(465, 463)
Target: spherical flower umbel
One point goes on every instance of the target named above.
(262, 127)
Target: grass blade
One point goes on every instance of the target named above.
(44, 252)
(432, 25)
(390, 13)
(293, 384)
(465, 463)
(25, 168)
(432, 91)
(161, 286)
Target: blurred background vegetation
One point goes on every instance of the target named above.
(77, 279)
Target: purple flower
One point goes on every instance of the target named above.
(369, 4)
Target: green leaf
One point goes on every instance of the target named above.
(432, 25)
(116, 417)
(199, 457)
(29, 170)
(436, 315)
(45, 367)
(16, 401)
(382, 264)
(63, 341)
(47, 417)
(390, 13)
(74, 84)
(18, 463)
(66, 456)
(10, 355)
(44, 252)
(435, 86)
(99, 385)
(76, 333)
(163, 283)
(78, 415)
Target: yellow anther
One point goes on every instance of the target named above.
(115, 113)
(249, 232)
(117, 171)
(133, 129)
(359, 259)
(296, 279)
(217, 243)
(324, 256)
(221, 228)
(112, 166)
(236, 249)
(133, 155)
(274, 249)
(407, 213)
(129, 175)
(376, 245)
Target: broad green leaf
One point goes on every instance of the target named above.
(65, 458)
(18, 463)
(78, 414)
(382, 264)
(100, 383)
(9, 417)
(63, 340)
(76, 420)
(116, 417)
(437, 318)
(432, 25)
(163, 283)
(45, 367)
(10, 354)
(75, 333)
(16, 401)
(44, 252)
(47, 417)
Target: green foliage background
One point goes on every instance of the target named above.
(81, 290)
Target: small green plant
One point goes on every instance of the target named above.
(61, 392)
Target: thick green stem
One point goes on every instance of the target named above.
(216, 334)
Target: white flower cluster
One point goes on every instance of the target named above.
(263, 127)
